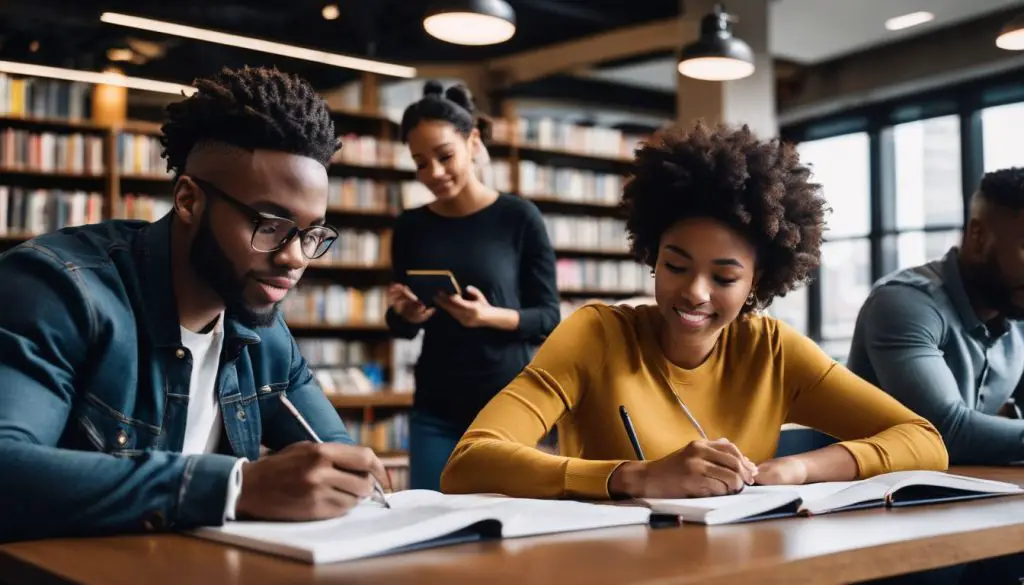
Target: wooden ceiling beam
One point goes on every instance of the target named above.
(652, 37)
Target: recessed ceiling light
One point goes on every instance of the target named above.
(330, 12)
(120, 54)
(909, 20)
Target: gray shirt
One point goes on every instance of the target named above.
(920, 340)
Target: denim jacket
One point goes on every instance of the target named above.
(94, 389)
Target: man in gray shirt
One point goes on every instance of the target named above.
(947, 338)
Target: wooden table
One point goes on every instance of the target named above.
(837, 548)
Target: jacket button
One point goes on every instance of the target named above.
(180, 353)
(122, 438)
(240, 415)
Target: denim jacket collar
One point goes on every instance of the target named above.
(153, 256)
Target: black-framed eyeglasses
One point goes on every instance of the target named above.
(271, 233)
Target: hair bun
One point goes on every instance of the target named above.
(432, 87)
(461, 95)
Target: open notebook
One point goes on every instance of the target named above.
(901, 488)
(420, 519)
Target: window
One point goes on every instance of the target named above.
(792, 309)
(927, 162)
(916, 248)
(1000, 127)
(928, 190)
(845, 283)
(842, 165)
(897, 176)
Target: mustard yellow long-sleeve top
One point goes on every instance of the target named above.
(761, 374)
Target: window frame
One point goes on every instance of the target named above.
(966, 100)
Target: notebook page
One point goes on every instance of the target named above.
(807, 492)
(417, 498)
(529, 516)
(367, 529)
(943, 479)
(670, 505)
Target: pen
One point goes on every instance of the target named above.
(378, 491)
(631, 432)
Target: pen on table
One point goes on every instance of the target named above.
(631, 432)
(378, 491)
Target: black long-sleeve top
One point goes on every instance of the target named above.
(504, 251)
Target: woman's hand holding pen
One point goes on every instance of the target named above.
(702, 468)
(308, 481)
(405, 303)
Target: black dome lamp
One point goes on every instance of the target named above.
(471, 22)
(717, 55)
(1011, 37)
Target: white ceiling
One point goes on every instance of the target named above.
(811, 31)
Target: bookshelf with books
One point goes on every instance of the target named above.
(60, 168)
(574, 174)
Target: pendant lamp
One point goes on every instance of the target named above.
(471, 22)
(717, 55)
(1011, 37)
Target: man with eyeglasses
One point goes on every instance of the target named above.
(142, 365)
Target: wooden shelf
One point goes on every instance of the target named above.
(337, 328)
(593, 253)
(15, 238)
(377, 399)
(547, 203)
(139, 127)
(355, 211)
(344, 267)
(162, 178)
(564, 152)
(7, 171)
(563, 156)
(394, 459)
(599, 294)
(55, 123)
(345, 168)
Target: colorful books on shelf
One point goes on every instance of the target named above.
(38, 211)
(70, 153)
(897, 489)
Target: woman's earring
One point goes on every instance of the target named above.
(752, 299)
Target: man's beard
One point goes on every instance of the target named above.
(990, 285)
(213, 267)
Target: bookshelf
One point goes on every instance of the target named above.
(574, 174)
(60, 166)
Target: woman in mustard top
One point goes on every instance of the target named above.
(727, 222)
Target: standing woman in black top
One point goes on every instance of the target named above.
(498, 249)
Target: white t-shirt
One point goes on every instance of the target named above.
(202, 425)
(202, 429)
